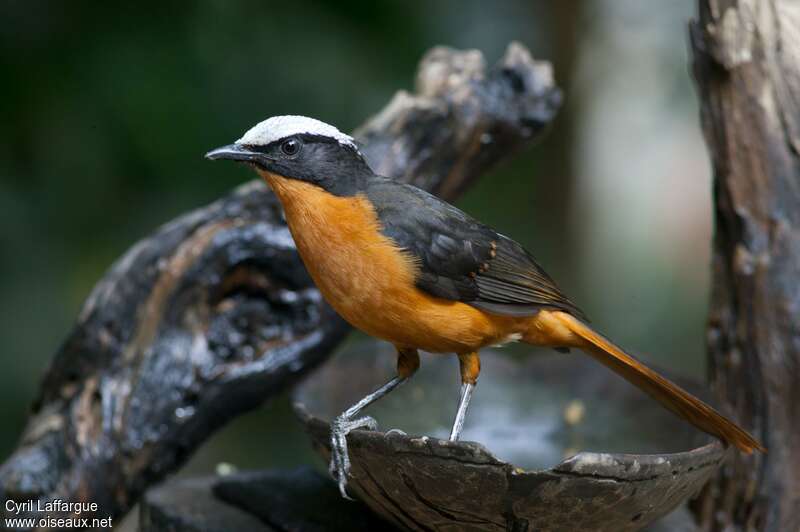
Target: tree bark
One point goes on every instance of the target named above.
(747, 68)
(214, 313)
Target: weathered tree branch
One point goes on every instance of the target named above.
(214, 313)
(747, 67)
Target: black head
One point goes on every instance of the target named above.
(302, 148)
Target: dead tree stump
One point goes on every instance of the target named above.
(747, 68)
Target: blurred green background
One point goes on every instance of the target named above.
(108, 108)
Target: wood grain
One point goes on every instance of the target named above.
(747, 67)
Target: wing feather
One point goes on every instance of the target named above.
(461, 259)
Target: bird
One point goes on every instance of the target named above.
(409, 268)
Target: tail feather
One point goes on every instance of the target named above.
(670, 395)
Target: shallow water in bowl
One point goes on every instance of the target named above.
(518, 410)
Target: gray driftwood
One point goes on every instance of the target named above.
(299, 500)
(214, 313)
(430, 484)
(190, 505)
(747, 68)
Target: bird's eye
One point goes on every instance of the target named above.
(290, 147)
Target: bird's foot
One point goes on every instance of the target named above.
(340, 460)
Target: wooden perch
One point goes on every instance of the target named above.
(517, 477)
(747, 67)
(214, 313)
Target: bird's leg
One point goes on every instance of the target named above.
(461, 413)
(470, 368)
(341, 426)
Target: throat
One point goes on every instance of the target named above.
(325, 226)
(289, 191)
(358, 270)
(338, 184)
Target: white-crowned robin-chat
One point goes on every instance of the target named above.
(404, 266)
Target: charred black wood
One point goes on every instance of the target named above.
(213, 313)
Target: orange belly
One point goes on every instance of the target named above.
(370, 281)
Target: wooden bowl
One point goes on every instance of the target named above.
(574, 447)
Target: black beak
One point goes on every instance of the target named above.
(235, 152)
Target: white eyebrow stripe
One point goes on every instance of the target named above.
(279, 127)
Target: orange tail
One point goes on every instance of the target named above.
(670, 395)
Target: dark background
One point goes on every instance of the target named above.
(108, 108)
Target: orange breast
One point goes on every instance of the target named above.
(370, 281)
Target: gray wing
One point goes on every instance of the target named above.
(461, 259)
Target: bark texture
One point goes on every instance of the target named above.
(747, 68)
(214, 313)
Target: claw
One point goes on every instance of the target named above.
(340, 460)
(343, 490)
(344, 424)
(366, 422)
